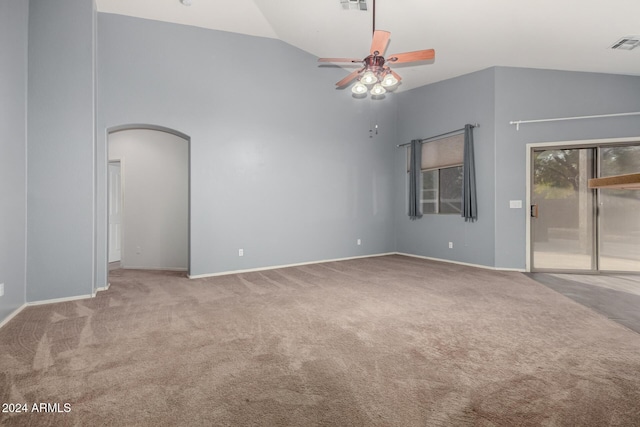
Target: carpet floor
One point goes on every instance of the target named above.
(383, 341)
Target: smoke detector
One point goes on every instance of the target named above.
(626, 43)
(186, 2)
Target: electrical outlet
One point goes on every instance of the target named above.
(450, 245)
(240, 252)
(359, 242)
(138, 250)
(1, 289)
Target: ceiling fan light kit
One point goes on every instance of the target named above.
(375, 71)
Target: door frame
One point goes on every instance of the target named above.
(530, 147)
(120, 163)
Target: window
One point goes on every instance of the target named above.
(442, 191)
(441, 166)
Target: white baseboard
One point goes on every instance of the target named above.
(249, 270)
(51, 301)
(486, 267)
(516, 270)
(54, 300)
(152, 268)
(12, 315)
(104, 288)
(273, 267)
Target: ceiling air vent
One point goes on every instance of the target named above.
(627, 43)
(354, 4)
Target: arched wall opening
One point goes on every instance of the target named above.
(148, 205)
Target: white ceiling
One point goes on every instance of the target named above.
(467, 35)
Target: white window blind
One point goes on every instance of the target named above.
(441, 153)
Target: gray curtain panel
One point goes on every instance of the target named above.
(415, 165)
(469, 198)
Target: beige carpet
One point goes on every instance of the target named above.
(387, 341)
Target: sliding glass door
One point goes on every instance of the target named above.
(562, 211)
(574, 228)
(619, 212)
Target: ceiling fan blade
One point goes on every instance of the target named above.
(339, 60)
(418, 55)
(379, 42)
(344, 82)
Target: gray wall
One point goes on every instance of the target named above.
(13, 139)
(155, 189)
(60, 154)
(432, 110)
(282, 165)
(493, 98)
(526, 94)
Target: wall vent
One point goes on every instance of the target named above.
(626, 43)
(354, 4)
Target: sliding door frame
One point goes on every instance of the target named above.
(589, 143)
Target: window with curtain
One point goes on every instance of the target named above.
(442, 175)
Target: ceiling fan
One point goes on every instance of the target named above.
(375, 70)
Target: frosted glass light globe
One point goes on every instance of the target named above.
(389, 80)
(359, 89)
(378, 90)
(369, 78)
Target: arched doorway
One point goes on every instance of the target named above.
(151, 228)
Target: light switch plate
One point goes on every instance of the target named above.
(515, 204)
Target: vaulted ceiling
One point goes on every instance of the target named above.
(467, 35)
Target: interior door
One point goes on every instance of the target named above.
(563, 210)
(115, 212)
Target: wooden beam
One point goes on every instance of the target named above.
(621, 182)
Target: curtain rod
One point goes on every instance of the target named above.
(438, 136)
(519, 122)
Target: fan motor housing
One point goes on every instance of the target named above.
(374, 62)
